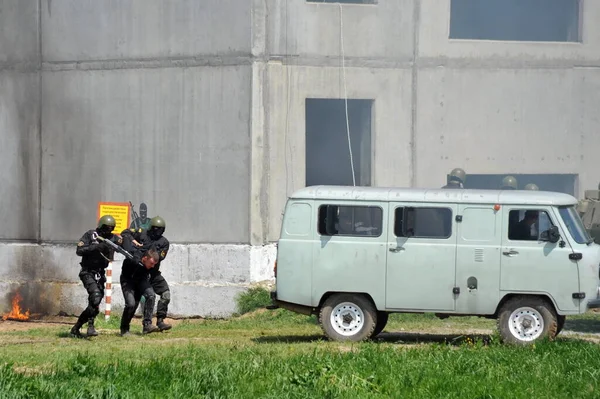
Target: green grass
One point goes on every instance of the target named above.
(278, 354)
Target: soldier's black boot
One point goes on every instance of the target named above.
(149, 328)
(75, 333)
(75, 330)
(91, 331)
(162, 326)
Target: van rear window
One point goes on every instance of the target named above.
(423, 222)
(348, 220)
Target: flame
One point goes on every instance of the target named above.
(15, 313)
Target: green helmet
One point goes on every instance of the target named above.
(531, 186)
(107, 220)
(157, 221)
(509, 183)
(458, 175)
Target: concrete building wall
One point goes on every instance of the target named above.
(198, 109)
(19, 120)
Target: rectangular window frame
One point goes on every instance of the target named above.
(550, 215)
(578, 41)
(423, 237)
(373, 236)
(342, 2)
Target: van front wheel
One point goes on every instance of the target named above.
(347, 317)
(524, 320)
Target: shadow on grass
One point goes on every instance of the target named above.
(590, 326)
(394, 338)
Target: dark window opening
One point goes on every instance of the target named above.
(423, 222)
(528, 225)
(350, 220)
(560, 183)
(327, 152)
(516, 20)
(344, 1)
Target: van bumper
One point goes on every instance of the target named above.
(294, 307)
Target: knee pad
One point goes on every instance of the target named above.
(149, 294)
(166, 296)
(95, 298)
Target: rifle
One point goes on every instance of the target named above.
(119, 249)
(136, 217)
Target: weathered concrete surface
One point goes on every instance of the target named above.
(288, 87)
(177, 139)
(507, 121)
(204, 279)
(20, 154)
(19, 34)
(311, 30)
(87, 30)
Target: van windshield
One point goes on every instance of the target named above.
(574, 224)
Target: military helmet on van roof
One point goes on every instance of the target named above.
(458, 174)
(509, 183)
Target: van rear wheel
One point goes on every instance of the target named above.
(348, 317)
(560, 323)
(524, 320)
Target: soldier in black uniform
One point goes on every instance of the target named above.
(95, 257)
(456, 179)
(153, 238)
(135, 283)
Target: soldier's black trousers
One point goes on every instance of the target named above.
(133, 290)
(161, 288)
(93, 282)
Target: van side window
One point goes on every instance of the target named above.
(350, 220)
(423, 222)
(527, 224)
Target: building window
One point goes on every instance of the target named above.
(327, 152)
(516, 20)
(344, 1)
(423, 222)
(527, 224)
(350, 220)
(561, 183)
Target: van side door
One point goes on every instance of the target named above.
(478, 259)
(531, 264)
(421, 256)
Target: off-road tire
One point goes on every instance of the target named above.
(348, 317)
(382, 319)
(536, 313)
(560, 323)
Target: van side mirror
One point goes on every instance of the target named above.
(551, 235)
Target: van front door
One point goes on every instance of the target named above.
(421, 257)
(531, 265)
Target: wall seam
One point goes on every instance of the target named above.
(414, 88)
(39, 122)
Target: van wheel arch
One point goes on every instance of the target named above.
(525, 319)
(508, 297)
(347, 316)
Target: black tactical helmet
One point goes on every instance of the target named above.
(509, 183)
(458, 175)
(531, 186)
(157, 221)
(107, 220)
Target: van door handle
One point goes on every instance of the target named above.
(510, 253)
(397, 249)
